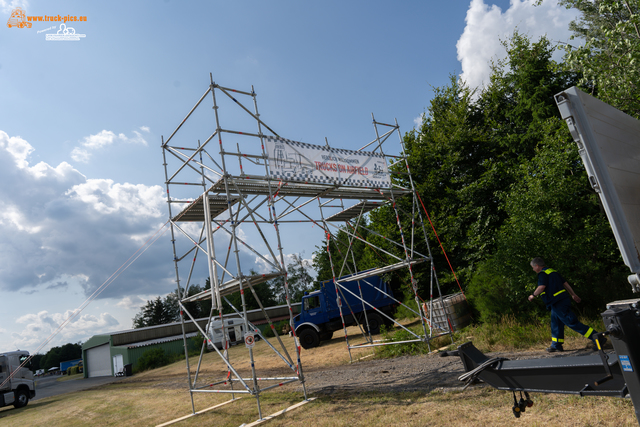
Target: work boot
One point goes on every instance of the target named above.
(554, 348)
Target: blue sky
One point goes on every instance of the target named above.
(81, 122)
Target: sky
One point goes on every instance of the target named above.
(81, 123)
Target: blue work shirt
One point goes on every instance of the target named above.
(554, 290)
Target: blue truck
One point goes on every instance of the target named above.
(320, 315)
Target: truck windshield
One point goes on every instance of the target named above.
(23, 358)
(311, 302)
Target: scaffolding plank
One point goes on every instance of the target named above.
(355, 210)
(195, 210)
(381, 270)
(284, 411)
(231, 286)
(244, 185)
(177, 420)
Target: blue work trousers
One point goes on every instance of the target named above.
(562, 315)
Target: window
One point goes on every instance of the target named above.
(312, 302)
(23, 358)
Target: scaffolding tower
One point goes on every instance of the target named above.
(236, 197)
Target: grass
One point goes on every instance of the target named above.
(147, 406)
(159, 395)
(508, 334)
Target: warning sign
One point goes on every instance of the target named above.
(249, 340)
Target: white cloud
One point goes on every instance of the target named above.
(39, 326)
(12, 217)
(8, 6)
(486, 26)
(64, 235)
(108, 198)
(133, 302)
(17, 147)
(104, 139)
(65, 227)
(264, 267)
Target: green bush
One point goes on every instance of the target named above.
(153, 358)
(194, 345)
(405, 349)
(268, 332)
(403, 312)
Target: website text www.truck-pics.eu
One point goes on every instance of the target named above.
(57, 18)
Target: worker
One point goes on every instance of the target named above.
(557, 294)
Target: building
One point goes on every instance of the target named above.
(107, 354)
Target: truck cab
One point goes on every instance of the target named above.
(365, 301)
(18, 388)
(314, 307)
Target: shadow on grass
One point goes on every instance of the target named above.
(10, 410)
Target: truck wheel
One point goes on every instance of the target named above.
(22, 398)
(326, 336)
(309, 338)
(375, 321)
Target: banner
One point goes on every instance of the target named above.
(317, 164)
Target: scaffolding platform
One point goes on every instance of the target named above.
(386, 269)
(356, 210)
(195, 210)
(233, 285)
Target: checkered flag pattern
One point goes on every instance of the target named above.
(317, 164)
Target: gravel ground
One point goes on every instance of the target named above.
(423, 373)
(407, 373)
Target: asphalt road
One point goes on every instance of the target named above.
(49, 386)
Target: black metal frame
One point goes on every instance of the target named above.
(602, 374)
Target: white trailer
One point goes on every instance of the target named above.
(17, 385)
(233, 328)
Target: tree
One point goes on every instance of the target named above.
(468, 150)
(340, 243)
(56, 355)
(299, 281)
(197, 309)
(154, 312)
(609, 59)
(263, 291)
(448, 159)
(36, 362)
(160, 310)
(551, 211)
(503, 183)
